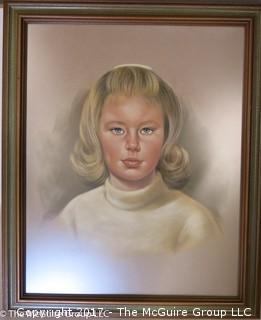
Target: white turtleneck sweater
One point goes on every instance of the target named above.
(155, 219)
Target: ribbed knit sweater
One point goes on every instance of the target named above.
(155, 219)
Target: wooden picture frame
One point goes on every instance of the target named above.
(18, 16)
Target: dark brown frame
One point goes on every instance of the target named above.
(17, 15)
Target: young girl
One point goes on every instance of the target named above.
(127, 149)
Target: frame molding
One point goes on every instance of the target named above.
(17, 16)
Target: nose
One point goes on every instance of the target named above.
(132, 142)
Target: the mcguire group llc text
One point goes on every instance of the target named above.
(182, 313)
(125, 312)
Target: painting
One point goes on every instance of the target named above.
(131, 159)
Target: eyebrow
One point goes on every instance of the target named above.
(115, 122)
(144, 123)
(149, 122)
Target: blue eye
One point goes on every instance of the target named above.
(117, 131)
(146, 131)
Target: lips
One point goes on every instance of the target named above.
(132, 162)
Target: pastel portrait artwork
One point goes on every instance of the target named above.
(128, 151)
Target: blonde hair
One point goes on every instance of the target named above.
(132, 80)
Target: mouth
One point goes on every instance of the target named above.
(132, 162)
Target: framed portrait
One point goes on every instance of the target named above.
(131, 159)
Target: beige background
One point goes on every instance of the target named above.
(204, 66)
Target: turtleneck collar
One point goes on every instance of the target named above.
(135, 199)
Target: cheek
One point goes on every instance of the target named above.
(153, 150)
(110, 147)
(156, 153)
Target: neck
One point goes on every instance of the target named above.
(133, 199)
(131, 185)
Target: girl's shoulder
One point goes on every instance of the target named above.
(193, 212)
(84, 200)
(198, 222)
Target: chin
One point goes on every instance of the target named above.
(134, 176)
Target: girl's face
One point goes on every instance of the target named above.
(131, 134)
